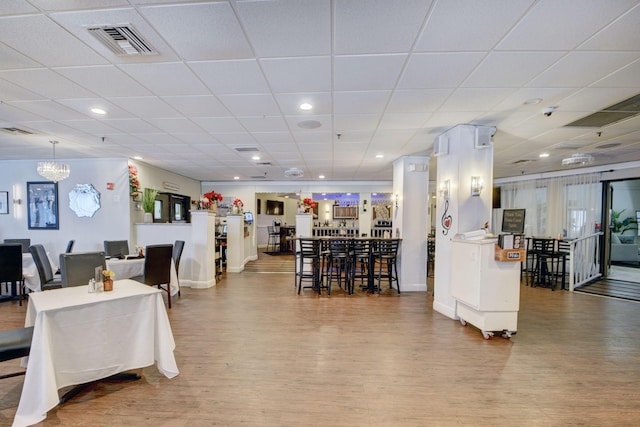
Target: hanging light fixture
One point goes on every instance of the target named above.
(53, 171)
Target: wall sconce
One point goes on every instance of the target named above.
(445, 189)
(364, 205)
(17, 201)
(476, 185)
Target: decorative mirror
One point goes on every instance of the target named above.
(84, 200)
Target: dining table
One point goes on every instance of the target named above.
(79, 337)
(129, 267)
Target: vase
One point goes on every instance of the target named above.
(235, 210)
(213, 207)
(148, 218)
(107, 283)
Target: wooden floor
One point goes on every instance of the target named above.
(613, 288)
(253, 353)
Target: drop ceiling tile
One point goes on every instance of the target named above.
(369, 102)
(236, 139)
(560, 25)
(13, 92)
(90, 126)
(287, 28)
(417, 101)
(174, 125)
(46, 83)
(166, 79)
(352, 122)
(438, 70)
(250, 105)
(16, 7)
(368, 26)
(220, 35)
(52, 5)
(298, 74)
(157, 138)
(241, 76)
(219, 124)
(273, 138)
(593, 99)
(131, 125)
(479, 28)
(51, 46)
(625, 77)
(13, 59)
(403, 121)
(624, 35)
(264, 124)
(84, 106)
(474, 99)
(593, 65)
(106, 80)
(146, 107)
(198, 105)
(367, 72)
(290, 103)
(549, 96)
(49, 109)
(510, 69)
(194, 138)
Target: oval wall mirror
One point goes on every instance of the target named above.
(84, 200)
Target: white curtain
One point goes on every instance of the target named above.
(568, 205)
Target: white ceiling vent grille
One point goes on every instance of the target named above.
(122, 40)
(246, 149)
(294, 173)
(16, 131)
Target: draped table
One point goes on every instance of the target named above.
(128, 268)
(80, 337)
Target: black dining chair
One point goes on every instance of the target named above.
(157, 268)
(116, 248)
(24, 244)
(11, 268)
(308, 264)
(14, 344)
(45, 272)
(80, 267)
(178, 247)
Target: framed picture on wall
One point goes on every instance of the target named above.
(4, 202)
(42, 205)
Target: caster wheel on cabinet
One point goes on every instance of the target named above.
(463, 322)
(487, 335)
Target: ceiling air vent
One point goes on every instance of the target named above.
(245, 149)
(294, 173)
(520, 162)
(122, 40)
(614, 113)
(257, 177)
(263, 164)
(16, 131)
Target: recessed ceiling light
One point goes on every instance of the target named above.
(255, 158)
(321, 176)
(98, 111)
(544, 155)
(306, 106)
(137, 158)
(533, 101)
(379, 156)
(236, 177)
(309, 124)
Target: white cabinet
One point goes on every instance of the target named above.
(487, 291)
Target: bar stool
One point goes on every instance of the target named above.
(274, 238)
(339, 264)
(361, 263)
(308, 264)
(385, 252)
(547, 263)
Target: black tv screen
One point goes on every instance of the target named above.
(513, 221)
(275, 207)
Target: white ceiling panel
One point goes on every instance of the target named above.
(438, 70)
(53, 46)
(387, 75)
(287, 27)
(373, 26)
(219, 33)
(243, 76)
(367, 72)
(561, 25)
(46, 83)
(298, 74)
(479, 28)
(198, 105)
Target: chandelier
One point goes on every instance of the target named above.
(53, 171)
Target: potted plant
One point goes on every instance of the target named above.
(619, 226)
(148, 202)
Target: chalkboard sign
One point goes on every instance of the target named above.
(513, 221)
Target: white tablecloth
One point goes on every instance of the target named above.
(80, 337)
(30, 272)
(128, 268)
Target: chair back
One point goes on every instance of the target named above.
(80, 267)
(69, 246)
(309, 247)
(543, 245)
(10, 262)
(178, 247)
(339, 248)
(25, 243)
(387, 247)
(157, 264)
(41, 260)
(116, 248)
(361, 248)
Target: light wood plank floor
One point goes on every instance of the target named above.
(253, 353)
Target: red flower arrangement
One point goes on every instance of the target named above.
(308, 203)
(134, 184)
(212, 195)
(238, 203)
(207, 200)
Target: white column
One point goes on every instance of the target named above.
(365, 214)
(203, 231)
(410, 220)
(235, 243)
(463, 151)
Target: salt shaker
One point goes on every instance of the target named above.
(92, 286)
